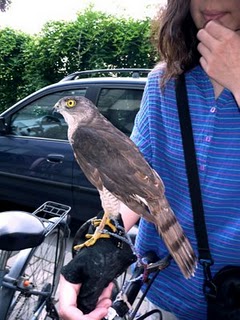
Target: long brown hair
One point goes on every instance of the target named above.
(177, 41)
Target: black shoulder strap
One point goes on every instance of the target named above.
(192, 170)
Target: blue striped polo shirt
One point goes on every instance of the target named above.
(216, 129)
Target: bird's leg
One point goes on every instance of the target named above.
(100, 225)
(105, 221)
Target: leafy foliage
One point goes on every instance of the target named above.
(95, 40)
(12, 65)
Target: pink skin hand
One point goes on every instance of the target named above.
(67, 302)
(219, 48)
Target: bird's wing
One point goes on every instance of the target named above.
(116, 160)
(112, 160)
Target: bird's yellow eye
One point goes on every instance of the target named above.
(71, 103)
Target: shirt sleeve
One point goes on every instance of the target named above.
(144, 121)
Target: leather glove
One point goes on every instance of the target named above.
(98, 265)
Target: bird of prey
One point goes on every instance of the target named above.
(114, 165)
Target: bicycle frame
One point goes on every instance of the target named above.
(123, 306)
(52, 216)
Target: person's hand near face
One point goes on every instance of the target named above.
(219, 36)
(220, 52)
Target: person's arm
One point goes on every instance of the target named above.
(129, 217)
(68, 307)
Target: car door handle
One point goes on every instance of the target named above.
(55, 158)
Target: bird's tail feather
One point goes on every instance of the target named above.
(175, 239)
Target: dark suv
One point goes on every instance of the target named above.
(36, 160)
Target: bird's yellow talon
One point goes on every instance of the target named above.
(92, 239)
(111, 225)
(96, 237)
(97, 222)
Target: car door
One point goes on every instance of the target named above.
(36, 160)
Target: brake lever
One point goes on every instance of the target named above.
(159, 265)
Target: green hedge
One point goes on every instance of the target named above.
(95, 40)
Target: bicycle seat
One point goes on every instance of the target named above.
(20, 230)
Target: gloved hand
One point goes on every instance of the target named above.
(96, 266)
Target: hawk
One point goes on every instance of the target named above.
(115, 166)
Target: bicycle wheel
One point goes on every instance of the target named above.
(42, 273)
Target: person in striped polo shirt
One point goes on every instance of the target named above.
(200, 38)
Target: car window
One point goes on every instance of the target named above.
(120, 106)
(38, 119)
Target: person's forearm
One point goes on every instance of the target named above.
(68, 292)
(129, 217)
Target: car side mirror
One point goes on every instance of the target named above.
(3, 125)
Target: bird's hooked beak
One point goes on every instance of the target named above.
(56, 108)
(59, 108)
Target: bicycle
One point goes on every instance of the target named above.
(125, 305)
(32, 252)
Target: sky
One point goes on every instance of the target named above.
(30, 15)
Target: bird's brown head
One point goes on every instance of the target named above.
(76, 109)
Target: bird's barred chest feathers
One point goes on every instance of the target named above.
(110, 203)
(71, 130)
